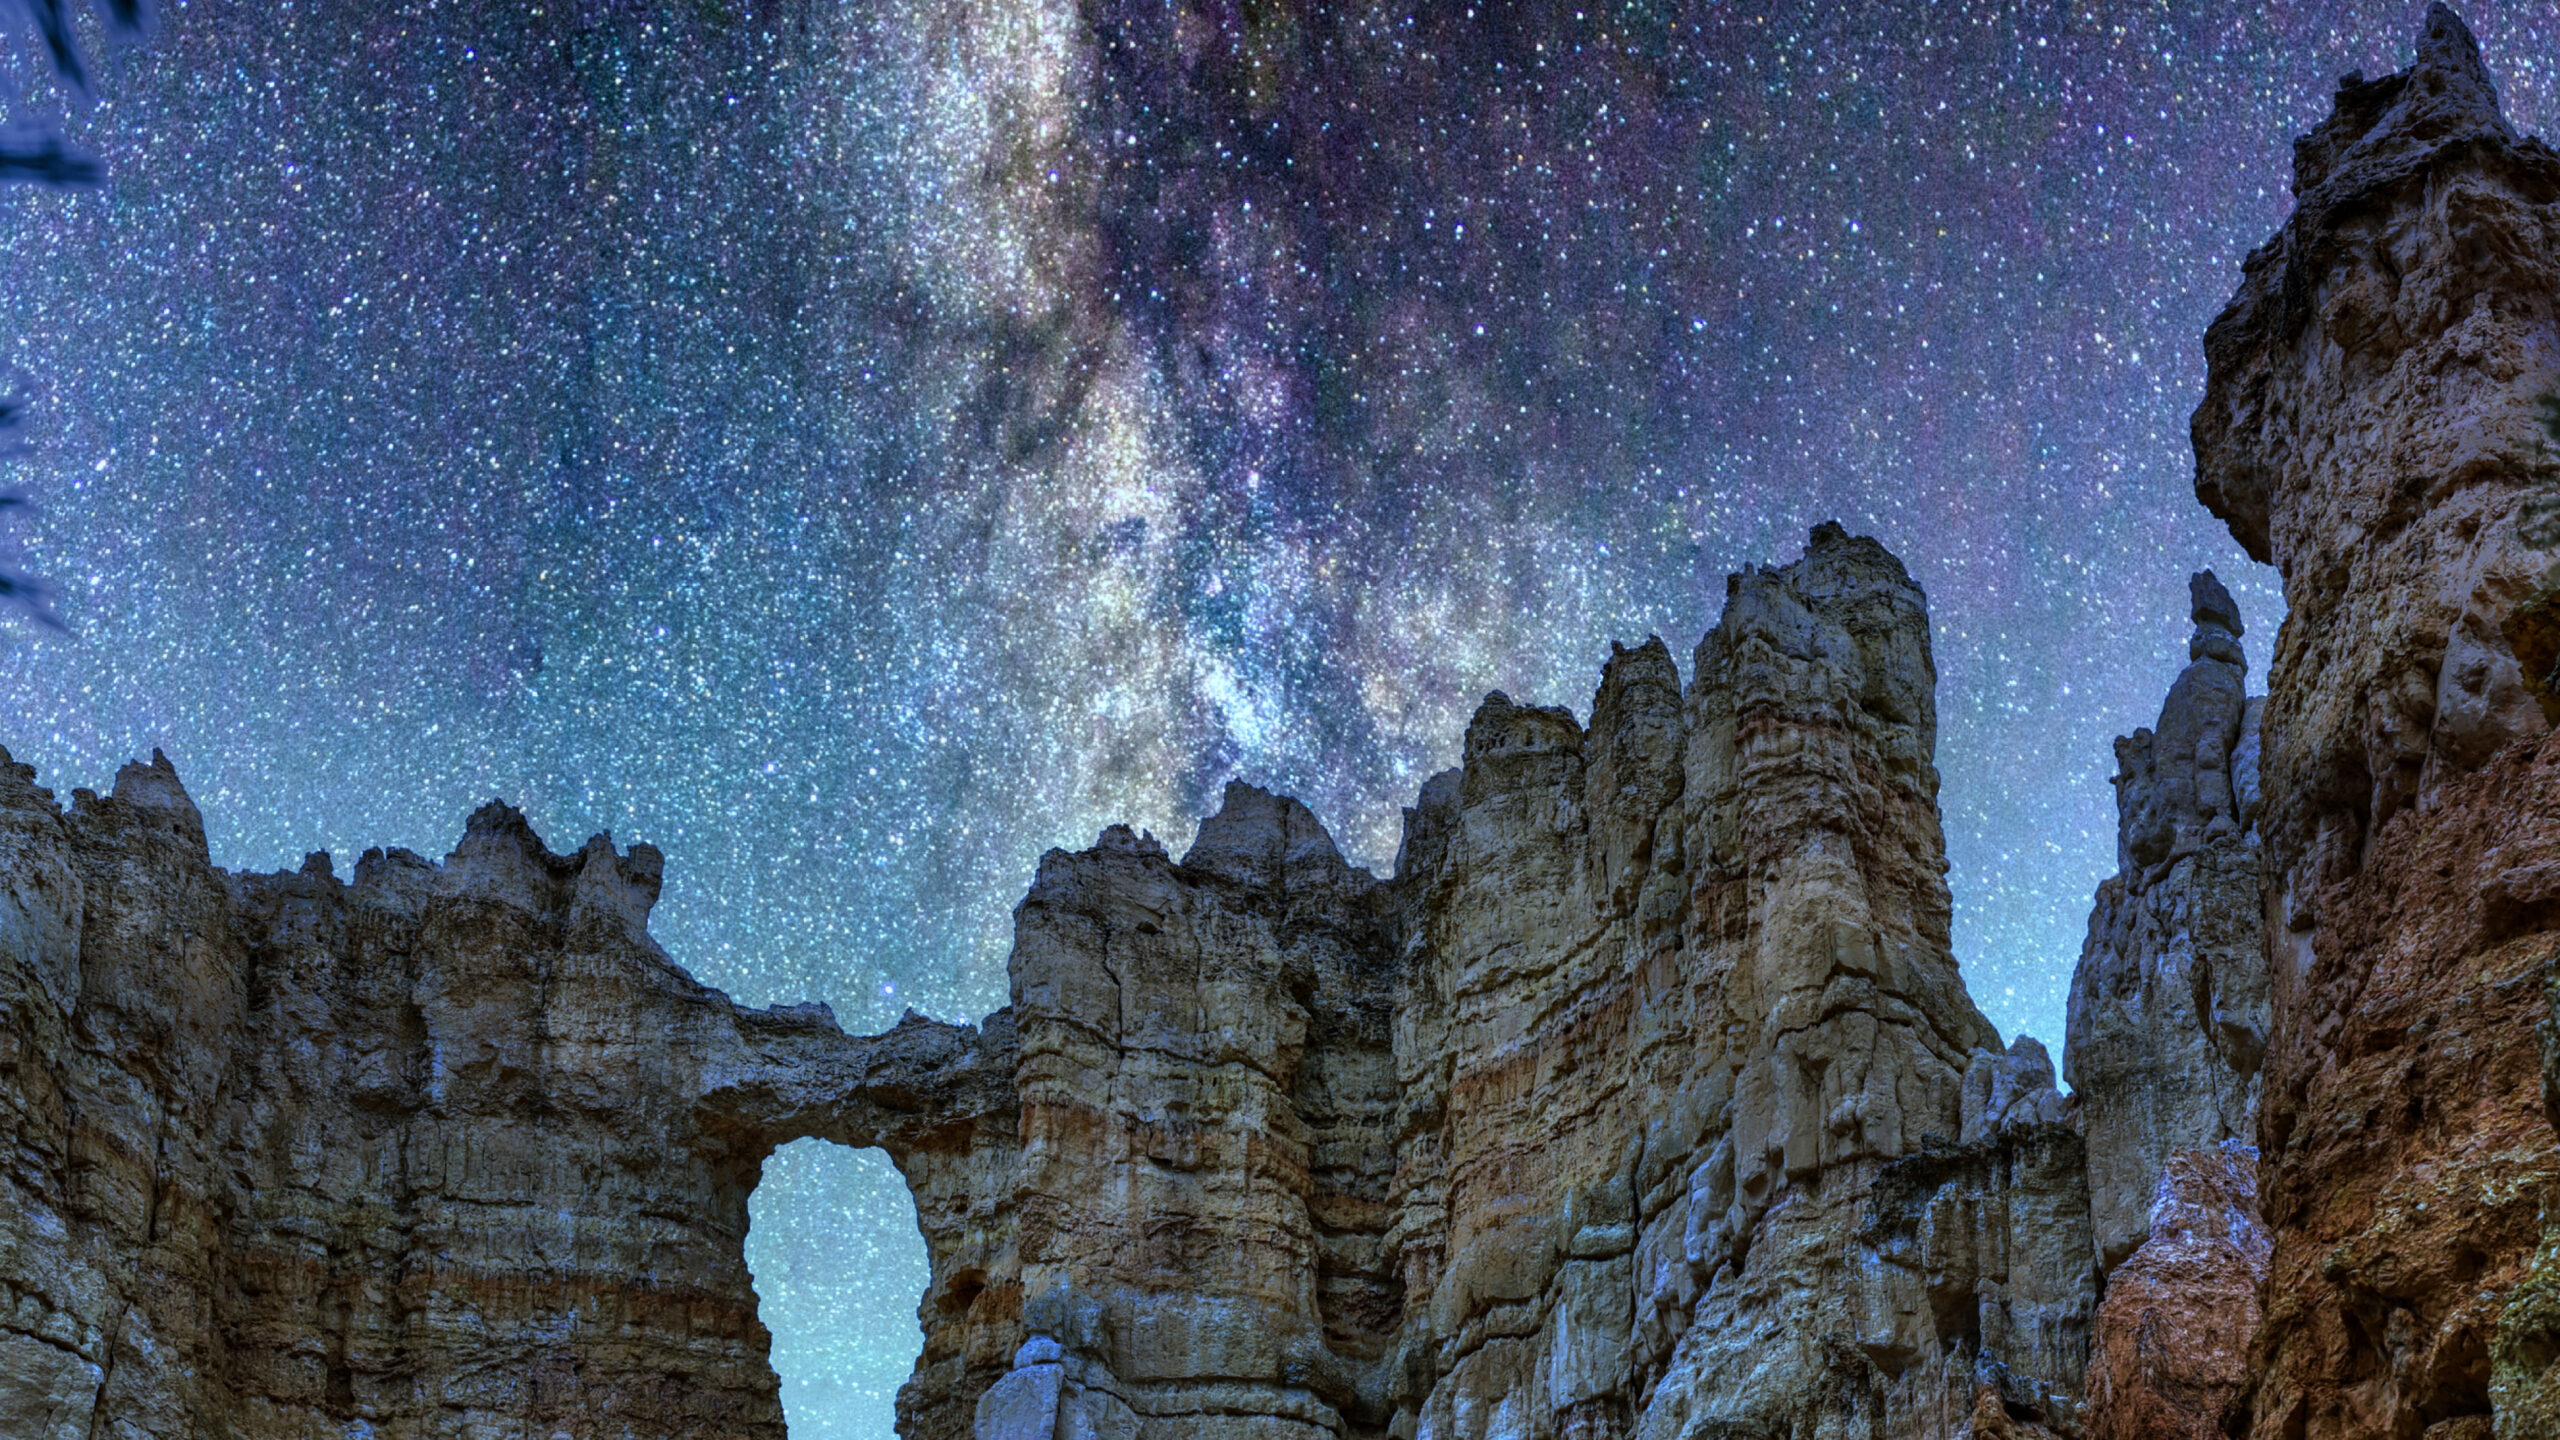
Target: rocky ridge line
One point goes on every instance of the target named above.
(1646, 1090)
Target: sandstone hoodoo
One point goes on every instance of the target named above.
(2371, 425)
(2168, 1014)
(2168, 1024)
(1676, 999)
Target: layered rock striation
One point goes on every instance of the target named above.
(1207, 1099)
(441, 1150)
(1645, 1099)
(2371, 425)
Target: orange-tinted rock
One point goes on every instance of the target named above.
(2170, 1345)
(2371, 424)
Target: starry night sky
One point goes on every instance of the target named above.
(858, 447)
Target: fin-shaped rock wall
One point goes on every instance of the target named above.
(2166, 1035)
(435, 1150)
(1645, 1097)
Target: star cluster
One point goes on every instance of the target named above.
(857, 447)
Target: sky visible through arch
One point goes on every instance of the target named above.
(858, 447)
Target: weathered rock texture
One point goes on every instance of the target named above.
(2168, 1016)
(1644, 1100)
(2168, 1023)
(448, 1150)
(1208, 1103)
(2524, 1360)
(1675, 993)
(2170, 1345)
(2370, 425)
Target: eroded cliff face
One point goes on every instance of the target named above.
(2169, 1348)
(2167, 1029)
(1207, 1100)
(2370, 424)
(1676, 995)
(447, 1150)
(2524, 1360)
(1644, 1100)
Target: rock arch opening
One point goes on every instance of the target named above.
(839, 1265)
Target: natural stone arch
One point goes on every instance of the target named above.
(938, 1100)
(1579, 1115)
(840, 1271)
(451, 1149)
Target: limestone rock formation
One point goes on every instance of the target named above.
(2168, 1025)
(2168, 1011)
(442, 1150)
(2370, 424)
(1645, 1099)
(2169, 1348)
(1207, 1103)
(1677, 995)
(1994, 1233)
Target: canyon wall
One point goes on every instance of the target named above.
(1645, 1099)
(444, 1150)
(2371, 425)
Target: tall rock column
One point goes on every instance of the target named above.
(2370, 424)
(1206, 1100)
(2168, 1026)
(1698, 1131)
(2168, 1014)
(1860, 1266)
